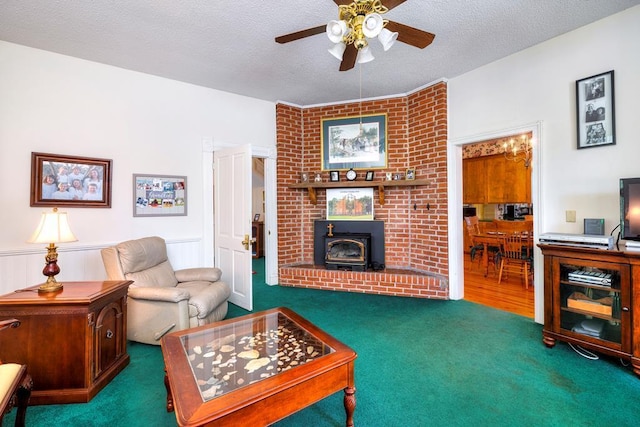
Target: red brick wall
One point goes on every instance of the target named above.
(415, 217)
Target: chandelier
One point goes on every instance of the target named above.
(518, 150)
(358, 23)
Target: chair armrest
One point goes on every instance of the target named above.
(208, 274)
(9, 323)
(158, 294)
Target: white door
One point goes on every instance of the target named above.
(232, 221)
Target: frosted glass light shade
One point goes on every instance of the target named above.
(337, 50)
(372, 25)
(337, 30)
(387, 38)
(53, 228)
(365, 55)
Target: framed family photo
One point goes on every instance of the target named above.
(70, 181)
(159, 195)
(358, 142)
(595, 110)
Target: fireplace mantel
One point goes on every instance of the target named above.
(311, 186)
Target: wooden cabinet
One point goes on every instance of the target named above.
(495, 179)
(73, 341)
(474, 180)
(590, 296)
(257, 233)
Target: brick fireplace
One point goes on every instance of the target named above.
(415, 217)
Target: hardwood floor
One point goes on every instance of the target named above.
(509, 296)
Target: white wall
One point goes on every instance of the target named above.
(62, 105)
(534, 90)
(538, 84)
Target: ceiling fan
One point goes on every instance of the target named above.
(360, 21)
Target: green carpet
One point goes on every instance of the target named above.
(420, 363)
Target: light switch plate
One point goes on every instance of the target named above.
(571, 216)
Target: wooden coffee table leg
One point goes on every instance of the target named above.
(169, 394)
(349, 404)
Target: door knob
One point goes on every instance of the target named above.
(246, 241)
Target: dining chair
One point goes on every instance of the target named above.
(515, 257)
(473, 229)
(15, 384)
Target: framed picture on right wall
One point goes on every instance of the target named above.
(595, 111)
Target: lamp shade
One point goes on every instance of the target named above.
(387, 38)
(372, 25)
(53, 228)
(337, 30)
(337, 50)
(365, 55)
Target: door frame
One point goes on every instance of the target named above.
(271, 213)
(454, 178)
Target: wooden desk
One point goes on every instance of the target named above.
(73, 341)
(257, 232)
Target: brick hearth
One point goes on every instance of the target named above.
(395, 282)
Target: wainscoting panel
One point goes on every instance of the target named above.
(23, 268)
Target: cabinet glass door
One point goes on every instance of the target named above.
(592, 304)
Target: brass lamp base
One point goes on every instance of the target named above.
(50, 270)
(50, 287)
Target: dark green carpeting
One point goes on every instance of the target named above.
(420, 363)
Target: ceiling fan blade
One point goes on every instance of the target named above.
(410, 35)
(349, 58)
(301, 34)
(342, 2)
(390, 4)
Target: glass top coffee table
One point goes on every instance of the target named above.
(254, 370)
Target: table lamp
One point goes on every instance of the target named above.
(53, 228)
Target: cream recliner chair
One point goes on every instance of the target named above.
(162, 300)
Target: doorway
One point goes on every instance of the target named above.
(257, 208)
(497, 199)
(457, 260)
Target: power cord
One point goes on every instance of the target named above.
(584, 352)
(618, 237)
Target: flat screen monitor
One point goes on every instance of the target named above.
(630, 209)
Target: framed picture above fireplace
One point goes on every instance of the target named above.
(349, 204)
(358, 142)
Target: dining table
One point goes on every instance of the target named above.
(494, 239)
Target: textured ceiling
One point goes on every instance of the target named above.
(229, 44)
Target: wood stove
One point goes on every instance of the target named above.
(348, 251)
(323, 229)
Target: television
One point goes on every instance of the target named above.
(630, 211)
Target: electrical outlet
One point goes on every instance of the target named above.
(571, 216)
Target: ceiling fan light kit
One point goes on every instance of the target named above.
(358, 22)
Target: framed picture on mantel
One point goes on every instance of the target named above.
(358, 142)
(350, 204)
(595, 111)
